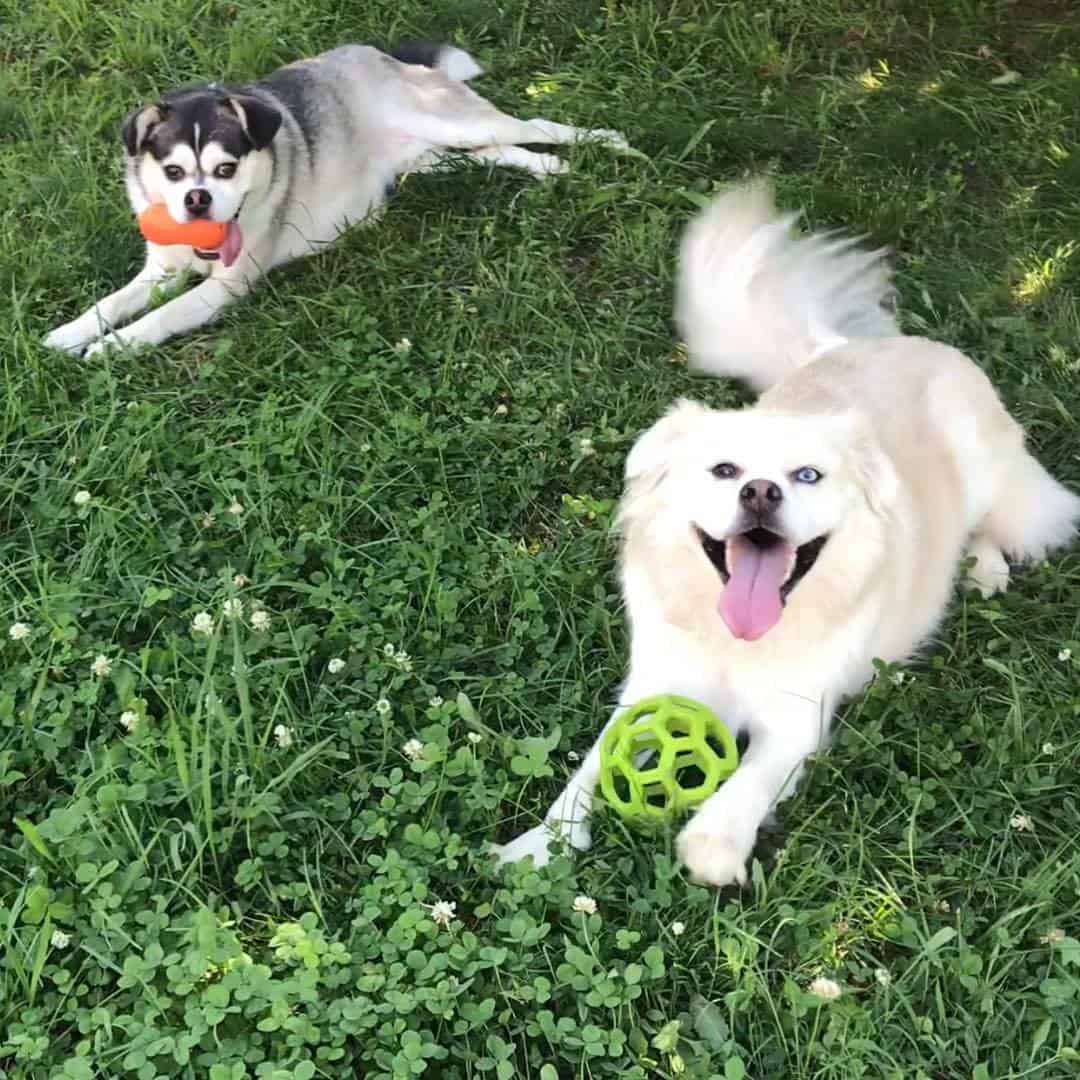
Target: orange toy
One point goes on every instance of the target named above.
(159, 228)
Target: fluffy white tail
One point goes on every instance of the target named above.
(1035, 513)
(755, 301)
(453, 62)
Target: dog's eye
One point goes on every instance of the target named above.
(226, 170)
(725, 471)
(806, 475)
(174, 172)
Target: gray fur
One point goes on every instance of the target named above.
(315, 147)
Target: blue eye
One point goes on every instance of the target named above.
(806, 475)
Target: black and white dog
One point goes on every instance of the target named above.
(289, 162)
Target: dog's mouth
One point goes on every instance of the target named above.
(759, 568)
(229, 251)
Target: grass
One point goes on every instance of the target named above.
(193, 898)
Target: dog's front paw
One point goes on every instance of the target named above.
(714, 855)
(111, 343)
(72, 337)
(536, 842)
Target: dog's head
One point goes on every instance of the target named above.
(760, 497)
(201, 151)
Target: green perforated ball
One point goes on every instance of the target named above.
(691, 753)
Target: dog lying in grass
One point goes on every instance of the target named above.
(771, 554)
(288, 163)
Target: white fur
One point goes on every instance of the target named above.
(399, 118)
(921, 464)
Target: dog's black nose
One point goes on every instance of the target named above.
(760, 496)
(197, 202)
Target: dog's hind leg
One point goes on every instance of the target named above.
(480, 126)
(1031, 514)
(990, 574)
(513, 157)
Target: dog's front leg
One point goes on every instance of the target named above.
(719, 839)
(568, 817)
(193, 309)
(74, 336)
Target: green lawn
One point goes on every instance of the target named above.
(408, 450)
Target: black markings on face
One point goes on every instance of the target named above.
(239, 121)
(194, 118)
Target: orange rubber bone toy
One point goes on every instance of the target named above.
(159, 228)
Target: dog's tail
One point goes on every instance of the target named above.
(453, 62)
(1034, 513)
(755, 301)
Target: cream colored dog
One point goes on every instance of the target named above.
(771, 554)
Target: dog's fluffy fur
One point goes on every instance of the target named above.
(771, 554)
(291, 161)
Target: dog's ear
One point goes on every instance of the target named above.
(877, 477)
(873, 471)
(653, 449)
(139, 123)
(259, 119)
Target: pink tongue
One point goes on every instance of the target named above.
(230, 246)
(750, 603)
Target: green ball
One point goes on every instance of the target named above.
(680, 734)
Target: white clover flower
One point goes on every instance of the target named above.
(572, 755)
(883, 976)
(403, 346)
(283, 736)
(129, 720)
(389, 649)
(436, 702)
(203, 623)
(1048, 748)
(403, 660)
(18, 630)
(240, 580)
(501, 410)
(101, 666)
(382, 707)
(899, 678)
(82, 497)
(336, 665)
(678, 928)
(236, 508)
(585, 447)
(585, 904)
(944, 907)
(1022, 823)
(59, 940)
(414, 748)
(207, 521)
(260, 620)
(475, 737)
(1053, 937)
(233, 608)
(443, 912)
(1065, 655)
(826, 989)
